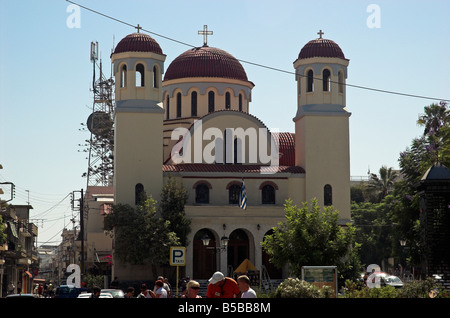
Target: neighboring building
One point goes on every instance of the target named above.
(196, 126)
(18, 257)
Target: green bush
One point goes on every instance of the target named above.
(297, 288)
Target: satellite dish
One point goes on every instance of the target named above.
(99, 123)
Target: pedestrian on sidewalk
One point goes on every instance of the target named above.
(222, 287)
(192, 288)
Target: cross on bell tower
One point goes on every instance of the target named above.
(320, 33)
(205, 34)
(138, 27)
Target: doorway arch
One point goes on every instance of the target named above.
(274, 272)
(204, 259)
(238, 248)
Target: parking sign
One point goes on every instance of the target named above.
(177, 256)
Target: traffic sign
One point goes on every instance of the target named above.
(177, 256)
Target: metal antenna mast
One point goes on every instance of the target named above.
(100, 124)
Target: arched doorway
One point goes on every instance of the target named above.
(204, 259)
(274, 272)
(238, 248)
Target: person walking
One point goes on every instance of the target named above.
(192, 288)
(96, 292)
(130, 292)
(161, 292)
(244, 286)
(222, 287)
(145, 293)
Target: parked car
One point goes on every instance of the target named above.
(116, 293)
(387, 280)
(22, 296)
(67, 291)
(88, 295)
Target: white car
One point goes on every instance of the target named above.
(88, 295)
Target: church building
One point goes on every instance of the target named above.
(193, 120)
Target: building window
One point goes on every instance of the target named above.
(140, 75)
(341, 82)
(268, 194)
(234, 192)
(326, 79)
(167, 106)
(194, 104)
(227, 100)
(139, 194)
(179, 105)
(240, 102)
(310, 81)
(123, 76)
(202, 193)
(211, 98)
(327, 195)
(155, 77)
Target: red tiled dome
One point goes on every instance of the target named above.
(321, 48)
(205, 62)
(138, 42)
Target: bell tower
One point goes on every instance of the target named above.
(322, 124)
(138, 63)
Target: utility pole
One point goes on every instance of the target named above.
(81, 225)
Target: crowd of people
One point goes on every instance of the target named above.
(219, 286)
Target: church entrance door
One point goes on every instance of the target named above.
(238, 248)
(204, 259)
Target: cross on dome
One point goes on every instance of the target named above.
(320, 33)
(138, 27)
(205, 34)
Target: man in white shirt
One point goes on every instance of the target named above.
(244, 286)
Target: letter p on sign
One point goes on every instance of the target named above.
(177, 256)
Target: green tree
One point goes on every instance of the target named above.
(173, 200)
(383, 184)
(139, 236)
(312, 236)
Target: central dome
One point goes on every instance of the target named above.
(205, 61)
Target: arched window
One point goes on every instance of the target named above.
(123, 76)
(234, 192)
(341, 82)
(310, 81)
(194, 104)
(155, 77)
(167, 106)
(140, 75)
(227, 100)
(240, 102)
(268, 194)
(211, 97)
(326, 79)
(179, 105)
(327, 195)
(139, 194)
(202, 193)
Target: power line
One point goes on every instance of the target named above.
(262, 65)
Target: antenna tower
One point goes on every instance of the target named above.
(100, 124)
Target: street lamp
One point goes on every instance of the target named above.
(224, 242)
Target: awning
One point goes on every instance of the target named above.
(245, 266)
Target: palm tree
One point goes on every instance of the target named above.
(383, 184)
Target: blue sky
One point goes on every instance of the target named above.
(46, 74)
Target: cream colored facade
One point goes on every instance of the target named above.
(150, 130)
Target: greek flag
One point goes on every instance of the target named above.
(243, 197)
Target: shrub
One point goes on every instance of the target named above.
(297, 288)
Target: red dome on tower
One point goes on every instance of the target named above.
(205, 61)
(138, 42)
(321, 48)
